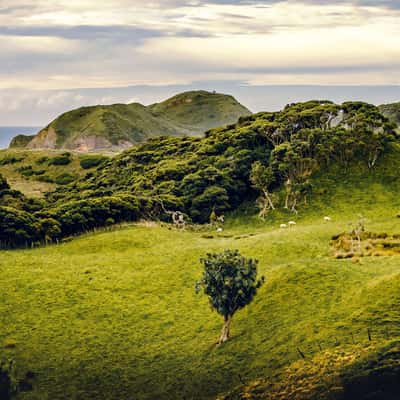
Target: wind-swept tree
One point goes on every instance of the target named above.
(230, 282)
(262, 177)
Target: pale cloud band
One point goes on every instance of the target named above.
(62, 45)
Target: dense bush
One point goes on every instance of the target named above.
(83, 215)
(25, 170)
(91, 161)
(64, 178)
(31, 221)
(62, 159)
(10, 160)
(3, 183)
(42, 160)
(17, 228)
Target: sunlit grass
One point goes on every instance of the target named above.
(114, 315)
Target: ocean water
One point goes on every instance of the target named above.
(8, 132)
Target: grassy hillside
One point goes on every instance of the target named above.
(198, 111)
(118, 126)
(35, 173)
(114, 315)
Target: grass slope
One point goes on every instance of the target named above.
(33, 173)
(114, 315)
(119, 126)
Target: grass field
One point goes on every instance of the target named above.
(114, 315)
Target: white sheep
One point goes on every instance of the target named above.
(291, 223)
(219, 230)
(327, 219)
(283, 226)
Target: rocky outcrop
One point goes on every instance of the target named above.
(45, 139)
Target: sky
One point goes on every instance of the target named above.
(56, 55)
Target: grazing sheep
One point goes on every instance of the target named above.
(219, 230)
(327, 219)
(291, 223)
(283, 226)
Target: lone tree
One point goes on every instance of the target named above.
(230, 281)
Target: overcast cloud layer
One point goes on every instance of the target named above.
(53, 50)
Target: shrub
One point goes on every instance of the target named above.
(91, 161)
(10, 160)
(24, 168)
(64, 179)
(82, 215)
(63, 159)
(17, 228)
(42, 160)
(3, 183)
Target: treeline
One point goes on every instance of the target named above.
(260, 155)
(20, 228)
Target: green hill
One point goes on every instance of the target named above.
(119, 126)
(114, 313)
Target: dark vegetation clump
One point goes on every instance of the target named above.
(8, 385)
(10, 160)
(91, 161)
(42, 160)
(65, 179)
(272, 156)
(62, 159)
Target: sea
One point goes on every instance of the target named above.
(8, 132)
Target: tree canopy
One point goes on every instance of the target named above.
(230, 282)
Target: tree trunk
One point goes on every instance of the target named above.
(268, 197)
(287, 200)
(225, 333)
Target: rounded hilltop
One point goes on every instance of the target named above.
(119, 126)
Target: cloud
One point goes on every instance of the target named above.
(61, 45)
